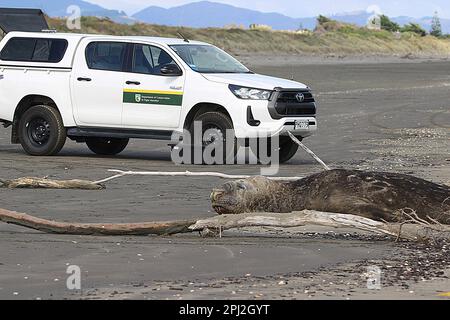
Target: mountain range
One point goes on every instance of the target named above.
(209, 14)
(59, 8)
(204, 14)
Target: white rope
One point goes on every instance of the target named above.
(121, 173)
(309, 151)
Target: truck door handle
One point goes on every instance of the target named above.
(136, 83)
(84, 79)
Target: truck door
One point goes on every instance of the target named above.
(153, 91)
(97, 83)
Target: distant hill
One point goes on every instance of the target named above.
(203, 14)
(363, 42)
(361, 18)
(58, 8)
(210, 14)
(425, 22)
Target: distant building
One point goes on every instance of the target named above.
(304, 31)
(234, 26)
(255, 26)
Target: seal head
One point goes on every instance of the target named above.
(249, 195)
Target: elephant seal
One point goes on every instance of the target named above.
(374, 195)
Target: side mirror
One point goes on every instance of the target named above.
(171, 70)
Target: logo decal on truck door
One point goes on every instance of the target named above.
(169, 98)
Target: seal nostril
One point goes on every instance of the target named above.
(215, 195)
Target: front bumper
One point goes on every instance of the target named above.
(262, 120)
(259, 123)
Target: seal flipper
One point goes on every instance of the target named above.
(355, 205)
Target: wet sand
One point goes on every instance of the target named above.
(372, 116)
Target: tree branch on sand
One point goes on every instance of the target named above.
(44, 183)
(100, 229)
(413, 230)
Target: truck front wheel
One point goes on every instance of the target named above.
(41, 131)
(286, 149)
(107, 146)
(215, 127)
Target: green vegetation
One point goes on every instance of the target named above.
(330, 38)
(321, 20)
(414, 28)
(436, 27)
(389, 25)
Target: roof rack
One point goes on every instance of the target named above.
(28, 20)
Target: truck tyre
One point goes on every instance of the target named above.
(218, 124)
(287, 149)
(107, 146)
(41, 131)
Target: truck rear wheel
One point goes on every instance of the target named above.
(107, 146)
(41, 131)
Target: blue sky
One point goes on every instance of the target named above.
(303, 8)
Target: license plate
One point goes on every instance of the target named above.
(301, 124)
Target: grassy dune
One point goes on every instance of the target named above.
(341, 41)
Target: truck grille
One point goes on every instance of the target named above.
(287, 104)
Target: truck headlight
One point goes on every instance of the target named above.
(250, 93)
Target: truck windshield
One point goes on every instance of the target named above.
(208, 59)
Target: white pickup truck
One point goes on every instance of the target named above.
(104, 90)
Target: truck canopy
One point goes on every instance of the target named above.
(29, 20)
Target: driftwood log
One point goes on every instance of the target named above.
(412, 230)
(100, 229)
(43, 183)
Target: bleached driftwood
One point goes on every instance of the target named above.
(309, 151)
(412, 229)
(303, 218)
(103, 229)
(43, 183)
(121, 173)
(415, 231)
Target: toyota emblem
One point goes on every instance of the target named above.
(300, 97)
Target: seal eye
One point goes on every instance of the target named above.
(241, 186)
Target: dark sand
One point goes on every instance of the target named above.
(375, 116)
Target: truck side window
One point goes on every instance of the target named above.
(149, 59)
(107, 56)
(142, 59)
(34, 50)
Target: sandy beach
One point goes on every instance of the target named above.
(373, 115)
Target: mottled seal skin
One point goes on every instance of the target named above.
(374, 195)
